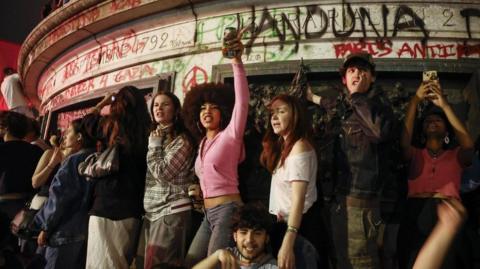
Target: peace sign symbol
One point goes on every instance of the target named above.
(191, 79)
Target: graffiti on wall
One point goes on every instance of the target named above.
(366, 21)
(417, 31)
(64, 118)
(413, 50)
(127, 47)
(195, 76)
(88, 86)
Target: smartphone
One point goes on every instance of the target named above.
(430, 75)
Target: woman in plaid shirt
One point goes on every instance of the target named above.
(169, 173)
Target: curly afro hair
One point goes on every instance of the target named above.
(219, 94)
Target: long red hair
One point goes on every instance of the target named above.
(275, 148)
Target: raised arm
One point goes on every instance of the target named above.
(461, 133)
(408, 124)
(107, 100)
(316, 99)
(407, 134)
(236, 127)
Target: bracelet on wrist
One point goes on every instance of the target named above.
(292, 229)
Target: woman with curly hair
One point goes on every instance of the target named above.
(166, 202)
(288, 154)
(208, 113)
(118, 198)
(435, 171)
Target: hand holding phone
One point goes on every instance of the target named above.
(430, 77)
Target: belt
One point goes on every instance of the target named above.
(180, 205)
(12, 196)
(364, 203)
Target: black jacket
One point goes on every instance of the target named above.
(120, 196)
(363, 125)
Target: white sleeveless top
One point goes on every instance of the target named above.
(297, 167)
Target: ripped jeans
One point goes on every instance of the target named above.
(355, 230)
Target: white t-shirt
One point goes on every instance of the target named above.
(297, 167)
(12, 91)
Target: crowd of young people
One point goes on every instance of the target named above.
(99, 214)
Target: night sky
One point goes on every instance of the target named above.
(18, 18)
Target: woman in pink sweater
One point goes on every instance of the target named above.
(209, 116)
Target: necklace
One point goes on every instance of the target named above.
(435, 153)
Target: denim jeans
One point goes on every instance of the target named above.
(214, 233)
(355, 231)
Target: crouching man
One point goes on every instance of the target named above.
(250, 225)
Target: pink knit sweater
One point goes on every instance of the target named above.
(217, 166)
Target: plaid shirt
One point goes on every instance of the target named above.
(169, 173)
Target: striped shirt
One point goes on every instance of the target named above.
(169, 173)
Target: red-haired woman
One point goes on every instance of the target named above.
(289, 155)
